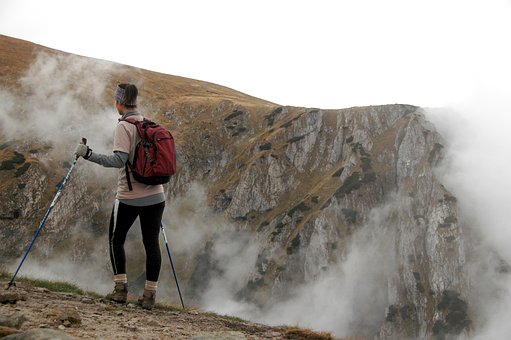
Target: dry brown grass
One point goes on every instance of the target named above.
(305, 333)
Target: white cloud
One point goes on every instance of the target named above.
(477, 172)
(327, 54)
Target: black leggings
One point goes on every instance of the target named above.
(122, 219)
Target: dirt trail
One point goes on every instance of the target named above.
(87, 317)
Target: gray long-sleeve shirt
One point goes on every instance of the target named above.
(116, 160)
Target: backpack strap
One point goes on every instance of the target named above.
(126, 165)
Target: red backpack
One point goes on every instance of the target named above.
(155, 155)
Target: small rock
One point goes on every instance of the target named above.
(41, 290)
(153, 323)
(11, 296)
(110, 308)
(39, 334)
(69, 317)
(130, 327)
(87, 300)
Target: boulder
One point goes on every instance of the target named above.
(11, 296)
(39, 334)
(12, 321)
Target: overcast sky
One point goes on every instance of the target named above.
(327, 54)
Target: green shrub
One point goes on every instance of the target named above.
(326, 204)
(296, 139)
(358, 147)
(7, 165)
(286, 125)
(20, 171)
(392, 313)
(265, 146)
(271, 117)
(264, 224)
(277, 231)
(369, 177)
(299, 207)
(353, 182)
(239, 131)
(18, 158)
(234, 114)
(338, 173)
(366, 164)
(408, 312)
(448, 221)
(450, 198)
(456, 311)
(350, 215)
(295, 244)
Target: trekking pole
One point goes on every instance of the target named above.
(43, 221)
(172, 265)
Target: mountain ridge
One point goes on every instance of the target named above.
(269, 202)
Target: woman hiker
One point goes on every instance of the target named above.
(144, 201)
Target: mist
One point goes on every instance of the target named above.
(477, 170)
(348, 298)
(62, 99)
(52, 110)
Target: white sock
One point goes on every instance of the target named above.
(151, 285)
(121, 278)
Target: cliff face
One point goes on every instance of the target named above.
(310, 181)
(302, 191)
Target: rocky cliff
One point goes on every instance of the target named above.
(340, 209)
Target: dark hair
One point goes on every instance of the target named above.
(130, 94)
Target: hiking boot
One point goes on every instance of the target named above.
(148, 299)
(120, 293)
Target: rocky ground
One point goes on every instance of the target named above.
(31, 312)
